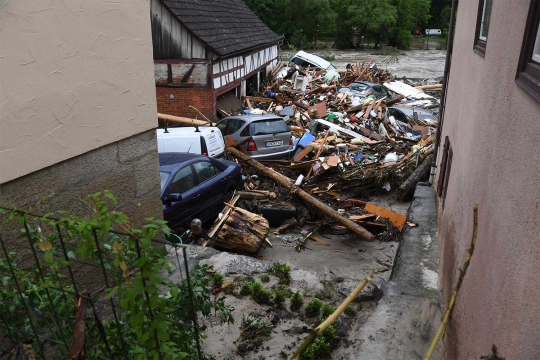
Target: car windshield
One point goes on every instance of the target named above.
(270, 126)
(359, 87)
(426, 117)
(164, 176)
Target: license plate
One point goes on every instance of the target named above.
(274, 143)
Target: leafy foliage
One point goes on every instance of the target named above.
(296, 301)
(254, 327)
(322, 346)
(279, 297)
(217, 280)
(265, 278)
(313, 307)
(260, 294)
(326, 311)
(282, 271)
(380, 22)
(157, 322)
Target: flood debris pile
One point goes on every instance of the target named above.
(357, 132)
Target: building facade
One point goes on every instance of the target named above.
(77, 105)
(488, 155)
(208, 53)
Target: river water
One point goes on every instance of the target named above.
(413, 64)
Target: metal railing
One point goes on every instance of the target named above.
(39, 302)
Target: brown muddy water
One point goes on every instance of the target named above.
(413, 64)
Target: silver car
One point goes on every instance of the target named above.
(271, 137)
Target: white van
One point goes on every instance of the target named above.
(203, 140)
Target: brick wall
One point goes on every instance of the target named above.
(202, 99)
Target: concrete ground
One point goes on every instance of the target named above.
(407, 317)
(400, 325)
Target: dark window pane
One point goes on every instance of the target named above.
(183, 181)
(222, 125)
(233, 126)
(164, 176)
(264, 127)
(204, 171)
(484, 27)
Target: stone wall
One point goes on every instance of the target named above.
(129, 168)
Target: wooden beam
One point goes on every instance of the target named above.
(277, 177)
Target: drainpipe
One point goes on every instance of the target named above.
(442, 105)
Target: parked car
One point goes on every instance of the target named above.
(271, 137)
(401, 113)
(203, 140)
(364, 89)
(195, 186)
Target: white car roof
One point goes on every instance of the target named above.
(317, 60)
(204, 130)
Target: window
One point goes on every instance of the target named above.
(482, 26)
(444, 168)
(271, 126)
(164, 176)
(233, 126)
(528, 73)
(183, 181)
(205, 170)
(222, 125)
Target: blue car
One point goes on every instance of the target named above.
(195, 186)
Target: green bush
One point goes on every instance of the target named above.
(296, 301)
(313, 307)
(349, 311)
(260, 294)
(322, 346)
(281, 271)
(279, 297)
(326, 311)
(217, 280)
(245, 289)
(253, 327)
(265, 278)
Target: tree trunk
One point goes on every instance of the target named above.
(277, 177)
(242, 231)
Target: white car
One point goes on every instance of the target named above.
(203, 140)
(305, 60)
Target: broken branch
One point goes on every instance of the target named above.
(357, 229)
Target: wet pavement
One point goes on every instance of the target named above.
(414, 64)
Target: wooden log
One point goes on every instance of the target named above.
(77, 345)
(273, 175)
(429, 87)
(420, 172)
(319, 152)
(303, 153)
(242, 231)
(287, 225)
(23, 351)
(182, 120)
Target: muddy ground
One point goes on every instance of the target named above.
(329, 272)
(413, 64)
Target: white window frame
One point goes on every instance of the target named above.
(483, 38)
(536, 49)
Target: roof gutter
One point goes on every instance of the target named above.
(446, 75)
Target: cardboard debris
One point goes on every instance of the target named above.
(397, 219)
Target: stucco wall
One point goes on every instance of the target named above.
(75, 75)
(493, 126)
